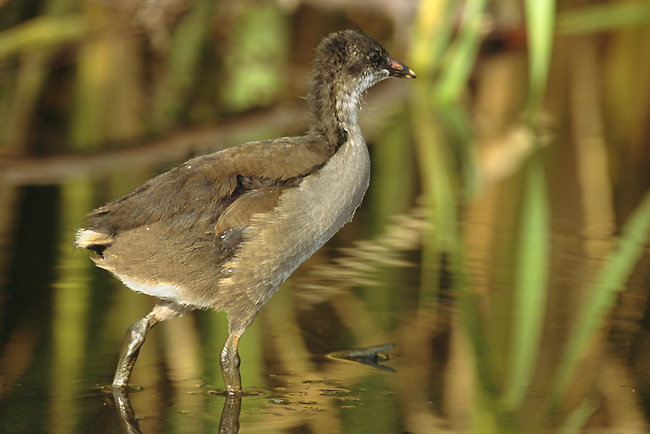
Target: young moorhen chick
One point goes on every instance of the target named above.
(225, 230)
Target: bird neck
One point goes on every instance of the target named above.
(334, 108)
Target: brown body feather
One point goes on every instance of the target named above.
(206, 186)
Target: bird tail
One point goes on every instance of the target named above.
(91, 240)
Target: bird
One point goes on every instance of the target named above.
(223, 231)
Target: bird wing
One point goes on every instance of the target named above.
(223, 189)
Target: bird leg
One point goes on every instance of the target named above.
(230, 364)
(136, 335)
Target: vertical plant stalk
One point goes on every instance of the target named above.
(436, 156)
(34, 42)
(531, 276)
(601, 297)
(540, 16)
(530, 284)
(431, 36)
(435, 164)
(438, 165)
(108, 95)
(70, 311)
(430, 28)
(461, 55)
(182, 63)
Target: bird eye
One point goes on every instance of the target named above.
(374, 56)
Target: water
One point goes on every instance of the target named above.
(63, 321)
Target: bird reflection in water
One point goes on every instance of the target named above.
(228, 424)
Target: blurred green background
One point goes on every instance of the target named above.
(502, 244)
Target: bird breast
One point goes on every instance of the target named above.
(276, 243)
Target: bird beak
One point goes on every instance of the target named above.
(399, 70)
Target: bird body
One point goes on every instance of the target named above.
(225, 230)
